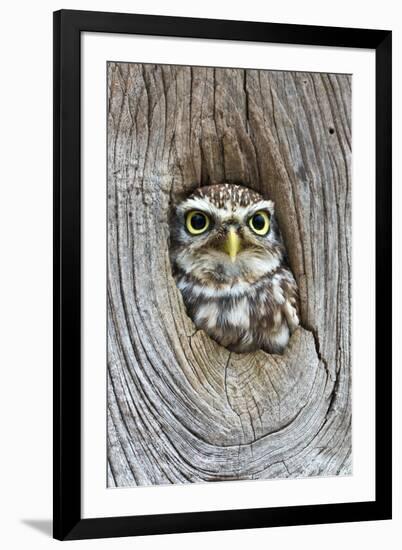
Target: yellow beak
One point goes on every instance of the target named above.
(232, 244)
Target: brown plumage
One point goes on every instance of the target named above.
(229, 262)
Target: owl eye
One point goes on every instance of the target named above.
(196, 222)
(259, 222)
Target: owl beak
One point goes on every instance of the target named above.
(232, 244)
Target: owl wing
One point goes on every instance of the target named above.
(291, 315)
(290, 305)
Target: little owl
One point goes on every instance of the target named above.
(229, 262)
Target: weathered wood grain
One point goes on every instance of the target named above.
(182, 408)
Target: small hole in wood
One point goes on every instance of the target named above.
(331, 131)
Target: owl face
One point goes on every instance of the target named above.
(225, 234)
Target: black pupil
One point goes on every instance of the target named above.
(198, 221)
(258, 222)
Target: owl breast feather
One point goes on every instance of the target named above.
(247, 317)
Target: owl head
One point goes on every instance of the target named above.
(224, 234)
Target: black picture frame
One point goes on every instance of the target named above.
(68, 26)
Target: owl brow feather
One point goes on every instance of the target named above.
(195, 203)
(260, 205)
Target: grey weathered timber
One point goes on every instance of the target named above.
(180, 407)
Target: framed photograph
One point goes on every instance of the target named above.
(222, 274)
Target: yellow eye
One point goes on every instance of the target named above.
(259, 222)
(197, 222)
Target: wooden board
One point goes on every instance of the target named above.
(180, 407)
